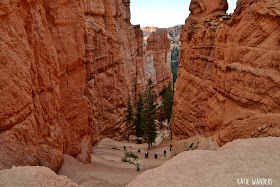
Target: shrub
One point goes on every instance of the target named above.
(124, 159)
(127, 157)
(131, 155)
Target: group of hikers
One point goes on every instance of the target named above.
(147, 152)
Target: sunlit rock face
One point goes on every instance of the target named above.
(206, 7)
(221, 167)
(67, 68)
(228, 81)
(44, 109)
(114, 64)
(157, 59)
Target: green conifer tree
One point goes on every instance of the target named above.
(139, 120)
(168, 102)
(150, 112)
(129, 118)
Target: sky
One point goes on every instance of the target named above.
(163, 13)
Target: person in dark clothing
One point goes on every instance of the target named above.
(124, 148)
(139, 151)
(170, 147)
(164, 153)
(155, 156)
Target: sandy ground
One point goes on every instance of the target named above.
(107, 169)
(248, 159)
(196, 161)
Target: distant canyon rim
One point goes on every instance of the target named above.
(68, 67)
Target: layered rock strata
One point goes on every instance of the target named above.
(228, 83)
(219, 168)
(157, 59)
(114, 64)
(67, 68)
(44, 110)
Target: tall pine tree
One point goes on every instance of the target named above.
(139, 120)
(168, 102)
(150, 112)
(129, 118)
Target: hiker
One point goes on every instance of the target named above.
(124, 148)
(164, 153)
(170, 147)
(147, 154)
(139, 151)
(155, 156)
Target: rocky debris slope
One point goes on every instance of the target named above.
(228, 83)
(67, 68)
(33, 176)
(251, 159)
(157, 59)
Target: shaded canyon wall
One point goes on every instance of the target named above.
(228, 83)
(157, 59)
(67, 68)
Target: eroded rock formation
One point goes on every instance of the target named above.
(34, 176)
(157, 59)
(218, 168)
(67, 68)
(114, 63)
(44, 110)
(229, 84)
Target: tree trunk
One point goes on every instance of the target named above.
(170, 129)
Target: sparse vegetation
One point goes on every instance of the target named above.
(150, 112)
(115, 148)
(144, 125)
(129, 118)
(139, 120)
(168, 102)
(193, 148)
(175, 54)
(127, 158)
(131, 155)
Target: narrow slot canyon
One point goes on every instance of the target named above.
(68, 70)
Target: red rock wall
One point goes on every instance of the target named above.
(44, 111)
(114, 57)
(66, 68)
(228, 81)
(157, 59)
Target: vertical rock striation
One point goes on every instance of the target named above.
(157, 59)
(44, 109)
(66, 68)
(229, 84)
(114, 63)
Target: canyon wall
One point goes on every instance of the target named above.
(114, 64)
(157, 59)
(67, 68)
(228, 83)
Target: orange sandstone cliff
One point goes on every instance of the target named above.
(114, 64)
(228, 83)
(157, 59)
(66, 69)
